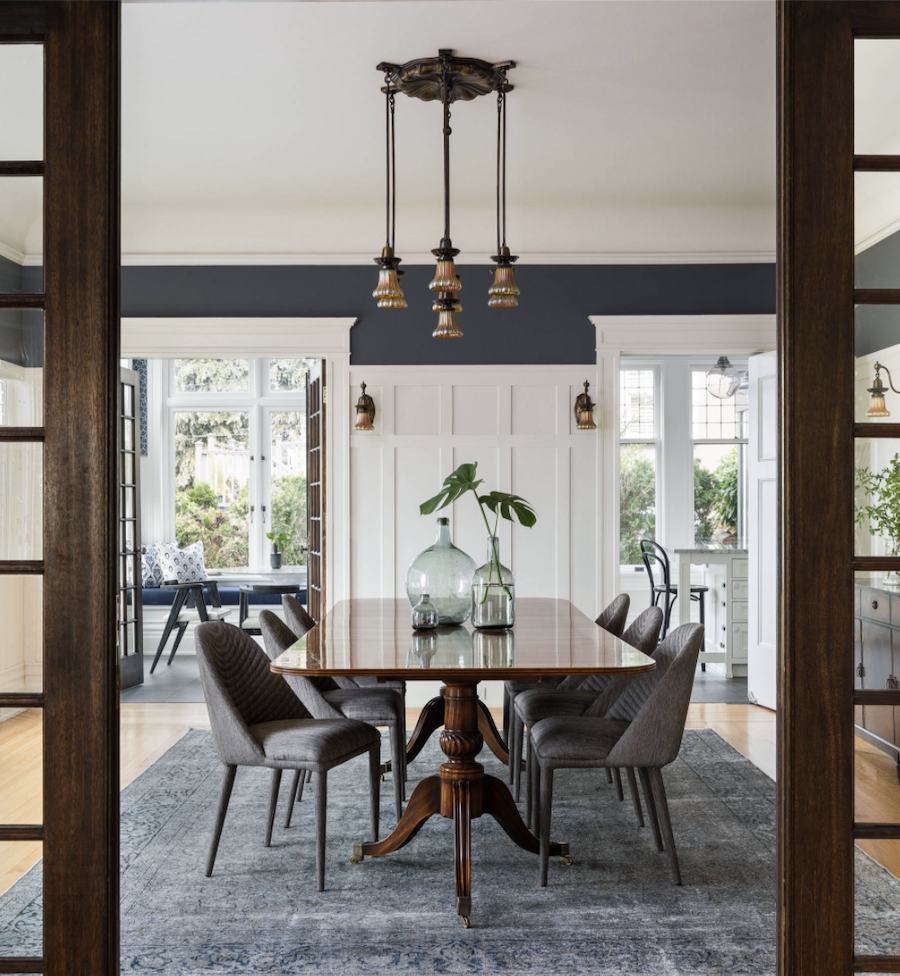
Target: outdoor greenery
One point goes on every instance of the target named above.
(882, 514)
(198, 518)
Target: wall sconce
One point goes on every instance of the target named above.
(584, 410)
(365, 411)
(877, 407)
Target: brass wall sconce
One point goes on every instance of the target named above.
(877, 407)
(365, 411)
(584, 410)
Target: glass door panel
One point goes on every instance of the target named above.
(287, 483)
(21, 643)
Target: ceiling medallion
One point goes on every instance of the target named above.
(448, 79)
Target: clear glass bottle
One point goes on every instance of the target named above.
(424, 615)
(494, 648)
(445, 573)
(493, 591)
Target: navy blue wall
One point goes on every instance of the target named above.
(550, 325)
(878, 326)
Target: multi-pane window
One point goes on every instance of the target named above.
(238, 434)
(638, 460)
(719, 432)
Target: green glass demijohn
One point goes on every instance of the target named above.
(445, 574)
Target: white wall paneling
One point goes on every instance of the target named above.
(517, 422)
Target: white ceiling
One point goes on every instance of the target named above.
(254, 130)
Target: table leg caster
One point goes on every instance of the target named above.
(465, 921)
(567, 860)
(357, 856)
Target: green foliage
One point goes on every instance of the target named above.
(278, 539)
(501, 503)
(225, 543)
(637, 502)
(727, 479)
(202, 495)
(211, 375)
(289, 513)
(193, 426)
(704, 502)
(883, 512)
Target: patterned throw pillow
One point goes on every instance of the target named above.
(151, 570)
(182, 565)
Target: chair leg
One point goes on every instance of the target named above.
(505, 716)
(508, 732)
(546, 802)
(617, 776)
(662, 807)
(635, 797)
(177, 604)
(530, 778)
(305, 775)
(224, 797)
(299, 776)
(608, 775)
(375, 787)
(273, 803)
(181, 629)
(321, 804)
(518, 730)
(398, 757)
(651, 807)
(702, 622)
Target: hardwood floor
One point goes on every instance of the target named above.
(148, 730)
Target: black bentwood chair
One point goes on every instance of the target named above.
(653, 553)
(258, 721)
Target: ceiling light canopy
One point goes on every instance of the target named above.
(447, 79)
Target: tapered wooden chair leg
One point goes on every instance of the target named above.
(181, 629)
(224, 797)
(321, 805)
(398, 759)
(617, 776)
(299, 776)
(505, 730)
(273, 803)
(651, 807)
(546, 802)
(518, 732)
(375, 788)
(608, 775)
(530, 780)
(635, 796)
(662, 808)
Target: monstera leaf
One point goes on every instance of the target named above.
(509, 504)
(499, 502)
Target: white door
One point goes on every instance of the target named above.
(762, 517)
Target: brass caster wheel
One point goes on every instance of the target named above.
(567, 860)
(356, 859)
(465, 921)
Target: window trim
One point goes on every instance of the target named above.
(656, 442)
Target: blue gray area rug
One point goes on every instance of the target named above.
(614, 911)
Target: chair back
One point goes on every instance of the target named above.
(657, 709)
(240, 691)
(652, 552)
(278, 637)
(642, 634)
(614, 616)
(296, 616)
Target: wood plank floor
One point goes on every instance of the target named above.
(148, 730)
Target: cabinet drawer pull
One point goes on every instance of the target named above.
(874, 604)
(860, 671)
(892, 683)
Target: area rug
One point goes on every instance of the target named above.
(614, 910)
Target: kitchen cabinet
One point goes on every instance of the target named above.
(877, 663)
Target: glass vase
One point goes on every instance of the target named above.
(493, 591)
(445, 574)
(424, 614)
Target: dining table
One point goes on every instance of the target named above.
(374, 637)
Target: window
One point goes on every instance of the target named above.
(237, 430)
(719, 432)
(638, 461)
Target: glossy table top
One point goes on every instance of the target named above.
(374, 637)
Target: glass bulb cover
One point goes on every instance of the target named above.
(388, 288)
(392, 302)
(504, 285)
(723, 382)
(445, 278)
(585, 419)
(447, 327)
(877, 407)
(445, 574)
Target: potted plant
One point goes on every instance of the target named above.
(882, 489)
(278, 539)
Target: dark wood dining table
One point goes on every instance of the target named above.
(551, 638)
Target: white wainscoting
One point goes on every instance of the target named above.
(518, 423)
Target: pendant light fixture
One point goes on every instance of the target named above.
(723, 379)
(389, 293)
(449, 79)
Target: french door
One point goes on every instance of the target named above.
(70, 537)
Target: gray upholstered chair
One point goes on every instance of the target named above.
(613, 620)
(258, 721)
(602, 689)
(376, 706)
(642, 731)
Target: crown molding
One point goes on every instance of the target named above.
(678, 335)
(17, 257)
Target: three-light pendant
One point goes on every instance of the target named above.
(449, 79)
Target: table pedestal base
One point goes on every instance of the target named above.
(461, 792)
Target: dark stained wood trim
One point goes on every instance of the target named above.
(874, 23)
(23, 22)
(876, 164)
(876, 831)
(815, 320)
(876, 430)
(876, 964)
(20, 832)
(81, 372)
(876, 564)
(21, 567)
(877, 696)
(34, 167)
(21, 699)
(23, 300)
(21, 434)
(21, 964)
(876, 296)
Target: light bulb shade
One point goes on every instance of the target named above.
(584, 410)
(447, 327)
(445, 278)
(723, 379)
(877, 407)
(365, 411)
(388, 288)
(504, 289)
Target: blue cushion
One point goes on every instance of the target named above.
(230, 596)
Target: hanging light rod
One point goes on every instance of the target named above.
(447, 79)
